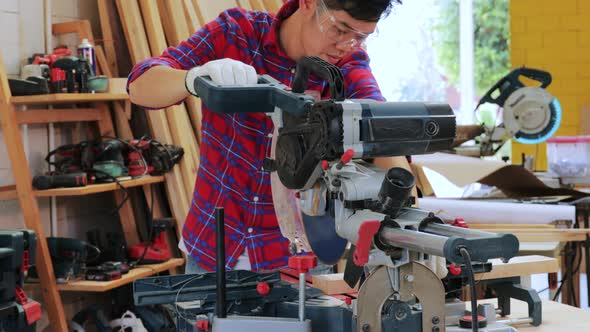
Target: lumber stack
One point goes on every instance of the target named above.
(149, 27)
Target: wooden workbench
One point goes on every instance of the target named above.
(556, 317)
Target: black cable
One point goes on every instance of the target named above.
(470, 275)
(150, 233)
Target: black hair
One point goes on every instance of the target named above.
(364, 10)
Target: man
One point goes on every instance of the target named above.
(234, 49)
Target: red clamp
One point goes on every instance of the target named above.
(303, 263)
(263, 288)
(460, 222)
(454, 269)
(202, 325)
(325, 165)
(345, 159)
(363, 245)
(32, 308)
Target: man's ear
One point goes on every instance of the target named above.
(308, 7)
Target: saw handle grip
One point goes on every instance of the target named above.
(324, 70)
(258, 98)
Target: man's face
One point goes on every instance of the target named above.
(334, 34)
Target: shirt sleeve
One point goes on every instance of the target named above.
(203, 46)
(358, 78)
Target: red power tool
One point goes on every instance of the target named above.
(156, 249)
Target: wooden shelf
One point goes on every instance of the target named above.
(64, 98)
(137, 273)
(9, 192)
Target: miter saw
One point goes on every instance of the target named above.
(333, 196)
(530, 114)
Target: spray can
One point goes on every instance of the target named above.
(86, 51)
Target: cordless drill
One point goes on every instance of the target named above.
(156, 249)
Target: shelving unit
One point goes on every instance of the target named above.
(141, 271)
(94, 108)
(9, 192)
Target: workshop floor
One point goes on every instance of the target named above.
(539, 282)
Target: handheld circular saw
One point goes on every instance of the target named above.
(530, 114)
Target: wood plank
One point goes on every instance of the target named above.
(192, 18)
(210, 10)
(255, 4)
(101, 61)
(244, 4)
(8, 192)
(178, 119)
(57, 115)
(132, 21)
(28, 204)
(108, 38)
(67, 98)
(520, 266)
(133, 28)
(272, 6)
(544, 235)
(332, 284)
(141, 271)
(556, 316)
(98, 188)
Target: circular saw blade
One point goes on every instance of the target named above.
(286, 207)
(309, 233)
(531, 115)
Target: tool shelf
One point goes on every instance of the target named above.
(9, 192)
(64, 98)
(140, 271)
(75, 107)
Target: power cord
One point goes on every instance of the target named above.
(150, 232)
(467, 257)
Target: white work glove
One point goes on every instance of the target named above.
(222, 72)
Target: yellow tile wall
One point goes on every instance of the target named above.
(553, 36)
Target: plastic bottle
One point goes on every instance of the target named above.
(86, 51)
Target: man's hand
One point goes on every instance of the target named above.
(222, 72)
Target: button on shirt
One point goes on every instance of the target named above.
(233, 146)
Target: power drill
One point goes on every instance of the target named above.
(156, 249)
(77, 179)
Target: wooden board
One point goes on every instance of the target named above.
(108, 37)
(544, 235)
(556, 316)
(180, 125)
(133, 23)
(272, 6)
(193, 20)
(210, 10)
(332, 284)
(141, 271)
(67, 98)
(520, 266)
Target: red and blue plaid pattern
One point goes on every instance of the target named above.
(234, 145)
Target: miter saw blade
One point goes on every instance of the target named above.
(311, 233)
(532, 115)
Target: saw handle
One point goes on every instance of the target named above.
(511, 82)
(258, 98)
(324, 70)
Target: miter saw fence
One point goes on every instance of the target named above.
(530, 114)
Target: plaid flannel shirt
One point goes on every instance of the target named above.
(234, 146)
